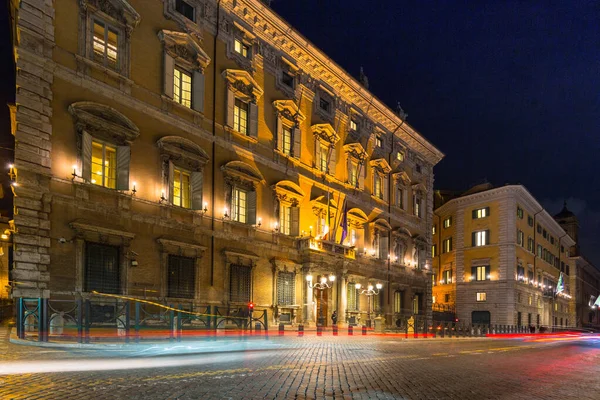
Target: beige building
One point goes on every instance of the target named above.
(205, 153)
(497, 258)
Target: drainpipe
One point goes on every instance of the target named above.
(535, 244)
(214, 150)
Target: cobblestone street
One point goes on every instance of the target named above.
(343, 367)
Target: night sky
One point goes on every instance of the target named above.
(508, 90)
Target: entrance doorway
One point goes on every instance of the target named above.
(322, 309)
(481, 317)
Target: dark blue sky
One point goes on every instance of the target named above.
(508, 90)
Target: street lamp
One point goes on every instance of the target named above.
(324, 284)
(370, 291)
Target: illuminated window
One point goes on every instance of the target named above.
(398, 301)
(433, 280)
(182, 87)
(184, 9)
(480, 238)
(519, 212)
(352, 297)
(378, 186)
(323, 157)
(353, 175)
(447, 245)
(481, 296)
(400, 156)
(433, 230)
(353, 125)
(181, 188)
(447, 277)
(481, 213)
(378, 141)
(240, 117)
(285, 215)
(481, 273)
(448, 222)
(433, 299)
(105, 44)
(241, 48)
(104, 165)
(530, 300)
(434, 250)
(287, 141)
(239, 206)
(520, 238)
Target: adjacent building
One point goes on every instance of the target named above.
(497, 258)
(203, 152)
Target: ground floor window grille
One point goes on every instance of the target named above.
(102, 268)
(181, 277)
(240, 279)
(353, 303)
(398, 301)
(286, 288)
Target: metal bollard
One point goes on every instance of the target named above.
(364, 330)
(281, 328)
(300, 330)
(319, 330)
(350, 330)
(335, 330)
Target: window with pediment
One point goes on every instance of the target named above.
(380, 232)
(184, 65)
(325, 149)
(380, 170)
(188, 14)
(401, 239)
(241, 183)
(356, 170)
(286, 76)
(356, 228)
(104, 144)
(288, 117)
(288, 197)
(105, 28)
(242, 110)
(325, 103)
(183, 164)
(242, 45)
(418, 200)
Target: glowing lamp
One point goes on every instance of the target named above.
(370, 287)
(309, 278)
(379, 286)
(332, 278)
(358, 286)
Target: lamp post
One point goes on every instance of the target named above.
(370, 291)
(320, 286)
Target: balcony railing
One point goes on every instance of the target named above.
(310, 243)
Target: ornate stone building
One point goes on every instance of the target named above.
(497, 258)
(203, 152)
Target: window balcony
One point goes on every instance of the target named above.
(313, 244)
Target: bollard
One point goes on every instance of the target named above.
(335, 330)
(300, 330)
(319, 330)
(257, 328)
(350, 330)
(281, 328)
(364, 330)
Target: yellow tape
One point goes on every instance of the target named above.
(163, 306)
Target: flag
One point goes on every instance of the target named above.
(344, 223)
(560, 286)
(597, 303)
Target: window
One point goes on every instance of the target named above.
(551, 239)
(378, 141)
(539, 228)
(448, 222)
(433, 280)
(520, 238)
(239, 206)
(285, 215)
(529, 300)
(400, 156)
(519, 212)
(433, 229)
(418, 168)
(481, 296)
(104, 165)
(447, 245)
(481, 213)
(398, 301)
(434, 250)
(182, 87)
(181, 188)
(353, 126)
(377, 186)
(400, 197)
(530, 276)
(353, 175)
(181, 277)
(529, 220)
(433, 299)
(480, 238)
(447, 277)
(102, 268)
(447, 298)
(286, 147)
(530, 244)
(545, 234)
(324, 105)
(352, 297)
(240, 282)
(481, 273)
(539, 250)
(286, 288)
(241, 48)
(520, 273)
(184, 9)
(105, 45)
(240, 117)
(323, 157)
(417, 204)
(287, 79)
(562, 249)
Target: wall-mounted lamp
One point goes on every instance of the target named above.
(259, 222)
(310, 232)
(225, 213)
(134, 190)
(205, 208)
(11, 172)
(162, 197)
(74, 173)
(276, 227)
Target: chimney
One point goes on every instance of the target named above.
(362, 79)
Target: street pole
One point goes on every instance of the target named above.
(321, 307)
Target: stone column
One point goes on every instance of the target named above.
(343, 303)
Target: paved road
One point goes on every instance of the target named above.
(313, 368)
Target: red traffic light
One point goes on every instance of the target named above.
(456, 320)
(250, 306)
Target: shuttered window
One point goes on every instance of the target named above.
(285, 215)
(181, 188)
(480, 238)
(102, 268)
(240, 282)
(182, 87)
(287, 141)
(480, 273)
(239, 206)
(105, 164)
(105, 44)
(240, 117)
(181, 277)
(286, 288)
